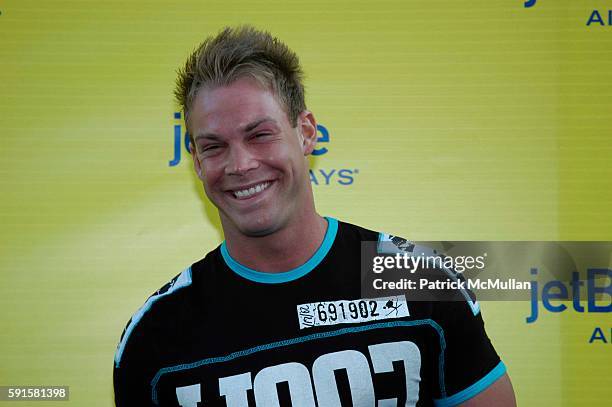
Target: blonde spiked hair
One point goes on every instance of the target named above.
(237, 52)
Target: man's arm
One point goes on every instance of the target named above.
(499, 394)
(130, 389)
(131, 372)
(474, 373)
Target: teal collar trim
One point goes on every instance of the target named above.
(286, 276)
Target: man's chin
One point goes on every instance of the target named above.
(257, 227)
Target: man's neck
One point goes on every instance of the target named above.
(283, 250)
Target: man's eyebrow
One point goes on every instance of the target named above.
(257, 122)
(248, 127)
(210, 136)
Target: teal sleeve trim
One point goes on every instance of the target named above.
(474, 389)
(293, 274)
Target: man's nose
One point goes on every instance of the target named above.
(240, 160)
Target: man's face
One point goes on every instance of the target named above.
(249, 157)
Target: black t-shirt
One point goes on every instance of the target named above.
(223, 334)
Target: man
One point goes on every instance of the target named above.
(274, 315)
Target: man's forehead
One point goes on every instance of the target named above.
(235, 106)
(240, 91)
(233, 119)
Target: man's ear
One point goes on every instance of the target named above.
(307, 128)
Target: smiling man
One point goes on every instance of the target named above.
(250, 156)
(275, 315)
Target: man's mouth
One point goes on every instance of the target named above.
(247, 193)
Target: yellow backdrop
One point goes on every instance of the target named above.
(447, 120)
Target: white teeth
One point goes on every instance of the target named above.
(245, 193)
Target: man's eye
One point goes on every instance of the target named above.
(262, 135)
(209, 148)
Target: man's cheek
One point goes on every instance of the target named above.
(207, 191)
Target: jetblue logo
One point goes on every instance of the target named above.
(323, 138)
(559, 291)
(177, 141)
(597, 19)
(319, 176)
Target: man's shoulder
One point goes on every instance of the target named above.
(161, 303)
(348, 230)
(385, 242)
